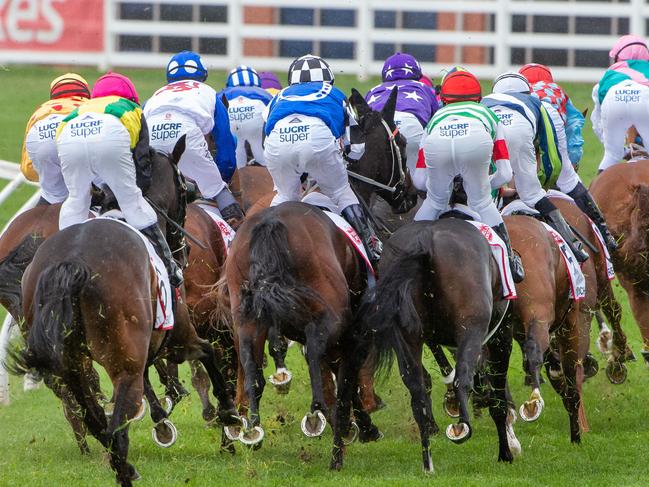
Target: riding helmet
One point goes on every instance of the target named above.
(534, 73)
(511, 82)
(68, 85)
(629, 47)
(401, 66)
(186, 65)
(460, 86)
(309, 68)
(243, 76)
(115, 84)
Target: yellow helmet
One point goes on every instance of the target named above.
(68, 85)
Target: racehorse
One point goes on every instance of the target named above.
(544, 308)
(622, 193)
(427, 271)
(77, 309)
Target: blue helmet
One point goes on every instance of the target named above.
(243, 76)
(186, 65)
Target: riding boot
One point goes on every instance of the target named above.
(555, 220)
(157, 239)
(585, 202)
(229, 208)
(515, 262)
(355, 216)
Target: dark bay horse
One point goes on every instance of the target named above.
(428, 270)
(544, 308)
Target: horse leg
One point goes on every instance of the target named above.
(411, 369)
(536, 342)
(164, 432)
(251, 351)
(70, 410)
(616, 371)
(174, 390)
(639, 302)
(448, 375)
(314, 422)
(201, 383)
(278, 346)
(499, 349)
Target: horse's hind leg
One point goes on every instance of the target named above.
(201, 383)
(314, 422)
(174, 390)
(448, 375)
(620, 352)
(251, 350)
(278, 346)
(536, 342)
(164, 432)
(70, 410)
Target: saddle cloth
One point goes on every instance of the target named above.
(164, 319)
(575, 275)
(226, 230)
(499, 251)
(331, 210)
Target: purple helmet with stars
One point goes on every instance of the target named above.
(401, 66)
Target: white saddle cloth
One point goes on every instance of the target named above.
(164, 319)
(227, 232)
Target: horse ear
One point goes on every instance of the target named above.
(359, 104)
(390, 106)
(585, 112)
(225, 102)
(179, 148)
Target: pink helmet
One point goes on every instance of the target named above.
(629, 47)
(115, 84)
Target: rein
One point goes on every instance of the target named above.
(397, 165)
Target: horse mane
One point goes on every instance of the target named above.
(635, 247)
(12, 268)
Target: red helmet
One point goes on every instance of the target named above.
(460, 86)
(536, 72)
(115, 84)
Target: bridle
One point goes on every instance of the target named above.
(397, 172)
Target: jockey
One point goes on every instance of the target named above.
(545, 88)
(187, 106)
(309, 126)
(526, 125)
(39, 157)
(416, 104)
(107, 138)
(270, 82)
(464, 137)
(621, 98)
(247, 100)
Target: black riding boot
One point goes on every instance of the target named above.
(515, 262)
(229, 208)
(154, 234)
(355, 216)
(555, 220)
(585, 202)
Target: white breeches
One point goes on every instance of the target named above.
(247, 124)
(196, 163)
(300, 144)
(41, 147)
(92, 146)
(458, 146)
(625, 105)
(412, 130)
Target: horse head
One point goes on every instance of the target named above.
(384, 160)
(167, 194)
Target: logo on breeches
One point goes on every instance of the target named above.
(86, 128)
(626, 95)
(241, 113)
(453, 130)
(47, 131)
(294, 133)
(166, 130)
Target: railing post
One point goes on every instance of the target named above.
(105, 60)
(364, 47)
(637, 18)
(235, 19)
(502, 57)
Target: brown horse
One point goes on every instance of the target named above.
(622, 193)
(77, 309)
(544, 308)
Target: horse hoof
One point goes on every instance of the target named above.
(352, 434)
(164, 433)
(108, 410)
(616, 372)
(135, 475)
(591, 366)
(451, 405)
(167, 404)
(233, 432)
(139, 415)
(531, 410)
(281, 380)
(605, 342)
(373, 434)
(251, 437)
(512, 441)
(313, 424)
(458, 433)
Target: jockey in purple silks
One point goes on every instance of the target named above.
(416, 104)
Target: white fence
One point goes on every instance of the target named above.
(11, 172)
(502, 39)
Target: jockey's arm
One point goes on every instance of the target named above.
(574, 124)
(226, 158)
(503, 173)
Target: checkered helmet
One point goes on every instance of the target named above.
(309, 68)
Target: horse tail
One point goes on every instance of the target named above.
(12, 268)
(56, 320)
(636, 246)
(393, 315)
(272, 295)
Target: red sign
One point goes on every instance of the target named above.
(52, 25)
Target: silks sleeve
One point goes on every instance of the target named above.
(574, 124)
(596, 115)
(27, 167)
(500, 157)
(226, 145)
